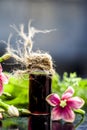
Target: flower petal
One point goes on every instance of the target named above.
(1, 88)
(68, 93)
(75, 102)
(0, 68)
(4, 78)
(53, 99)
(56, 113)
(68, 115)
(1, 116)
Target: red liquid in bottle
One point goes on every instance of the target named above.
(39, 88)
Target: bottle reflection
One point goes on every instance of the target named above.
(43, 123)
(58, 126)
(39, 123)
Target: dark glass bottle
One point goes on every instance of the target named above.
(39, 88)
(39, 122)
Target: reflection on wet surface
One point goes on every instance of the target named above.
(59, 126)
(39, 123)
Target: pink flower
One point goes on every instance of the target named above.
(64, 107)
(3, 80)
(1, 116)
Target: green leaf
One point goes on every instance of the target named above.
(16, 91)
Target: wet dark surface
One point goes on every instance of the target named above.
(40, 123)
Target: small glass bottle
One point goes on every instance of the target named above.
(39, 88)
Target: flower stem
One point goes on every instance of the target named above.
(82, 113)
(82, 119)
(4, 105)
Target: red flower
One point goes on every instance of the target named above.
(64, 107)
(3, 80)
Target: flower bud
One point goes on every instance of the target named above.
(13, 111)
(5, 57)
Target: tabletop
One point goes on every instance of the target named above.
(41, 123)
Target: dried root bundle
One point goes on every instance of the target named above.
(34, 61)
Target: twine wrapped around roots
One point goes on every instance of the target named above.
(39, 62)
